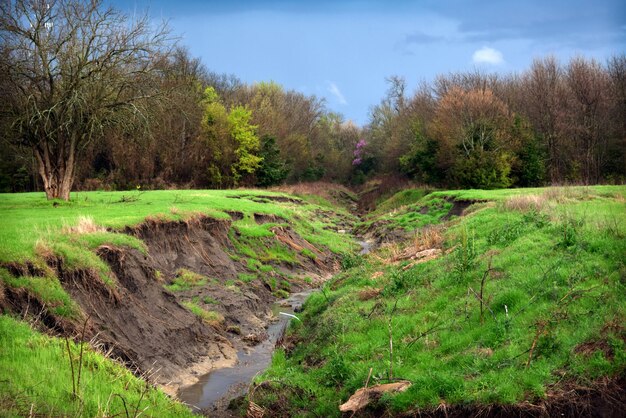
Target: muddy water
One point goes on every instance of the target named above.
(215, 389)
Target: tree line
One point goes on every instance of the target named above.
(553, 123)
(92, 99)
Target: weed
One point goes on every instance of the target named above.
(568, 231)
(209, 300)
(280, 294)
(28, 388)
(265, 268)
(309, 254)
(465, 253)
(185, 280)
(210, 317)
(349, 261)
(247, 277)
(428, 237)
(525, 203)
(507, 233)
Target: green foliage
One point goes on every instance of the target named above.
(247, 277)
(399, 199)
(349, 261)
(421, 161)
(272, 169)
(209, 300)
(531, 167)
(246, 142)
(483, 170)
(47, 289)
(308, 253)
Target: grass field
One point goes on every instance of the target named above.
(528, 297)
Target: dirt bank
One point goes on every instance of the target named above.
(146, 325)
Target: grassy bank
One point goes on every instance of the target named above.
(37, 379)
(35, 372)
(526, 301)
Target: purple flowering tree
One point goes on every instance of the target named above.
(359, 152)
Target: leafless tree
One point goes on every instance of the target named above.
(72, 69)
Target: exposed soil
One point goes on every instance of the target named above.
(199, 245)
(458, 208)
(27, 305)
(266, 198)
(263, 218)
(146, 326)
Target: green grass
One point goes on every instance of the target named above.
(49, 290)
(29, 217)
(398, 200)
(185, 280)
(554, 279)
(209, 316)
(36, 380)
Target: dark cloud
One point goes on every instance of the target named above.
(571, 23)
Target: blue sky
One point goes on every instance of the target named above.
(343, 50)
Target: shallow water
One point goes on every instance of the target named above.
(366, 247)
(221, 385)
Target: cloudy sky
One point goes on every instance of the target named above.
(343, 50)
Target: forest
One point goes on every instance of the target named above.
(156, 117)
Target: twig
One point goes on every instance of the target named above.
(540, 331)
(390, 326)
(481, 300)
(80, 357)
(69, 354)
(143, 392)
(123, 402)
(482, 288)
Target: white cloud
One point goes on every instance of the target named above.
(486, 55)
(334, 90)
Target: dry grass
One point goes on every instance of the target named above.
(551, 195)
(564, 194)
(86, 225)
(42, 249)
(326, 190)
(525, 203)
(369, 293)
(429, 237)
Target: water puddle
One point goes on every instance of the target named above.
(217, 388)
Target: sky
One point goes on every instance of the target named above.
(343, 51)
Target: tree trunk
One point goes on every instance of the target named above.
(57, 176)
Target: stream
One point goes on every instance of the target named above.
(218, 387)
(215, 389)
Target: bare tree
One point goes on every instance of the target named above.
(73, 69)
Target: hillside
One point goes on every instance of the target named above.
(516, 307)
(170, 284)
(469, 302)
